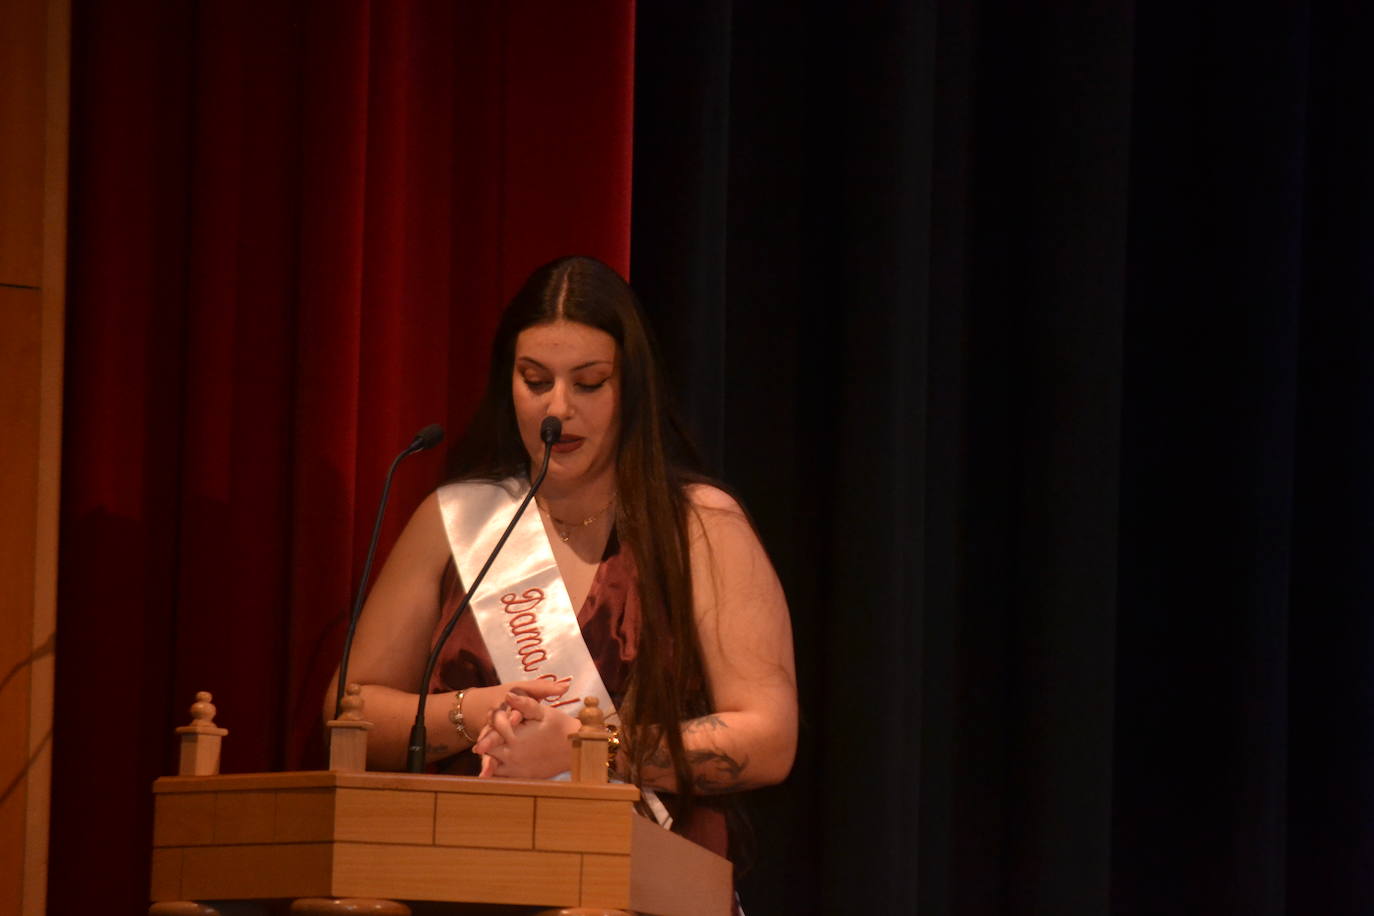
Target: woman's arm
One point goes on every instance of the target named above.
(746, 644)
(392, 644)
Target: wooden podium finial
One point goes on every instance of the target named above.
(352, 703)
(590, 715)
(203, 711)
(200, 741)
(589, 743)
(348, 734)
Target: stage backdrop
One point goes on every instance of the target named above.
(1037, 335)
(293, 225)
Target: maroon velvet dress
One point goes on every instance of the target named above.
(610, 622)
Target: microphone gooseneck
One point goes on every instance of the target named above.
(549, 432)
(428, 437)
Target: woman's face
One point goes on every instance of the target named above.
(569, 371)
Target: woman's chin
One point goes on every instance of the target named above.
(573, 470)
(565, 471)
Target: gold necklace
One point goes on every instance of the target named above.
(566, 529)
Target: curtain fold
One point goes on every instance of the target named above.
(293, 226)
(1039, 341)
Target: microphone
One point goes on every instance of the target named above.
(549, 432)
(426, 438)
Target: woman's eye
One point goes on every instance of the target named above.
(537, 385)
(592, 386)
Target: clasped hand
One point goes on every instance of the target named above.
(525, 739)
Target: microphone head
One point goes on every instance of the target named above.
(551, 430)
(428, 437)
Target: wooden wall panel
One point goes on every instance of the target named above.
(23, 29)
(20, 332)
(34, 92)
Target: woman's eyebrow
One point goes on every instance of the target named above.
(538, 365)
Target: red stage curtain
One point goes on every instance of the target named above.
(293, 225)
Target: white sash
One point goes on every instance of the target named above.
(522, 606)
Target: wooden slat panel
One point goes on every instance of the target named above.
(484, 820)
(166, 882)
(304, 816)
(35, 54)
(462, 785)
(232, 872)
(605, 881)
(454, 873)
(384, 816)
(471, 785)
(244, 817)
(583, 825)
(240, 782)
(20, 311)
(184, 820)
(23, 44)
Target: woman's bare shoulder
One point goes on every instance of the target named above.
(712, 498)
(718, 516)
(424, 541)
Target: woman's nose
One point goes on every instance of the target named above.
(559, 403)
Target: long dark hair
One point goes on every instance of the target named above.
(655, 463)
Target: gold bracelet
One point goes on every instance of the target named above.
(455, 715)
(612, 748)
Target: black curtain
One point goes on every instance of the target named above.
(1037, 336)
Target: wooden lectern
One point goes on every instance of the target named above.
(390, 837)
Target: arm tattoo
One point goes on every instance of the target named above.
(711, 722)
(713, 770)
(441, 749)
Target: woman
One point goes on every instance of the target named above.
(675, 602)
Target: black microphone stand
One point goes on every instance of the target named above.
(549, 431)
(426, 438)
